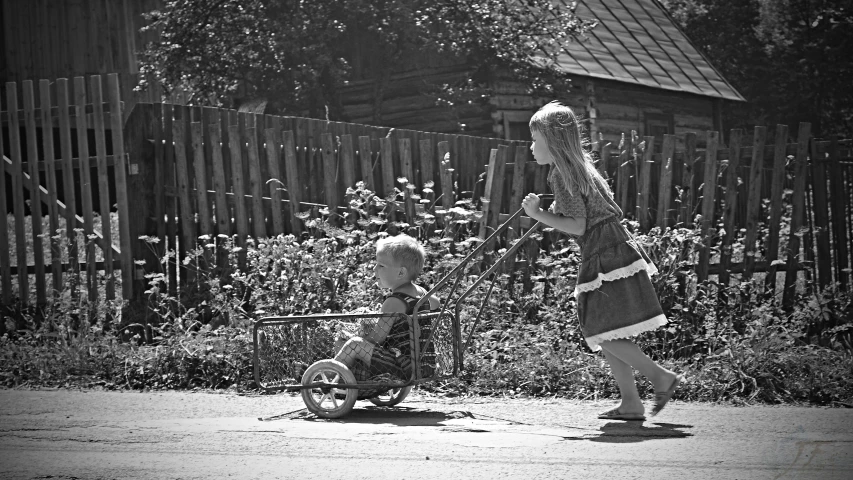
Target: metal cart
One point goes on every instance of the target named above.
(295, 353)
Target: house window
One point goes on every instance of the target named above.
(515, 125)
(659, 124)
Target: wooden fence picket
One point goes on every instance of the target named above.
(365, 159)
(644, 192)
(688, 192)
(85, 185)
(241, 213)
(5, 264)
(272, 136)
(200, 173)
(753, 208)
(347, 161)
(708, 197)
(50, 176)
(120, 181)
(798, 200)
(330, 178)
(386, 157)
(839, 219)
(820, 206)
(171, 202)
(220, 187)
(17, 191)
(259, 227)
(665, 186)
(188, 234)
(427, 159)
(447, 194)
(730, 206)
(36, 215)
(294, 183)
(68, 183)
(776, 195)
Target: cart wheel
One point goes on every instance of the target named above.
(329, 402)
(391, 397)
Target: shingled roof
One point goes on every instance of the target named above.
(636, 41)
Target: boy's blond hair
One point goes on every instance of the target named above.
(406, 251)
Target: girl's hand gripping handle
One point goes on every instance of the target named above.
(531, 204)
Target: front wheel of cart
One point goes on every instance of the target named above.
(328, 401)
(391, 397)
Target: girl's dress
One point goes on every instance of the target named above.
(614, 291)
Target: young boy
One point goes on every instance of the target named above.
(399, 262)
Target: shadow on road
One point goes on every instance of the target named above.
(631, 432)
(400, 416)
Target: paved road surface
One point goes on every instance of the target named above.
(62, 434)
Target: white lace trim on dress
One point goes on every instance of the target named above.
(617, 274)
(626, 332)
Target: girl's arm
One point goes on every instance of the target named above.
(571, 225)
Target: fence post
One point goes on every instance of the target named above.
(644, 190)
(753, 205)
(665, 186)
(780, 157)
(730, 207)
(116, 126)
(797, 214)
(708, 194)
(140, 129)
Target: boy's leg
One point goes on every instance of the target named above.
(355, 349)
(624, 376)
(629, 353)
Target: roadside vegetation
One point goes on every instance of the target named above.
(734, 343)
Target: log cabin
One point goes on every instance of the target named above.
(636, 70)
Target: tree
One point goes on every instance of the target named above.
(788, 58)
(294, 53)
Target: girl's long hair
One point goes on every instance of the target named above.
(561, 131)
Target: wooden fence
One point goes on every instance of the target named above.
(740, 187)
(184, 165)
(42, 148)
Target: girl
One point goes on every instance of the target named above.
(614, 292)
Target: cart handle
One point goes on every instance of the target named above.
(485, 275)
(454, 273)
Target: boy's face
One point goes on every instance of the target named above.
(540, 149)
(388, 273)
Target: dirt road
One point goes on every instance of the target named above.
(62, 434)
